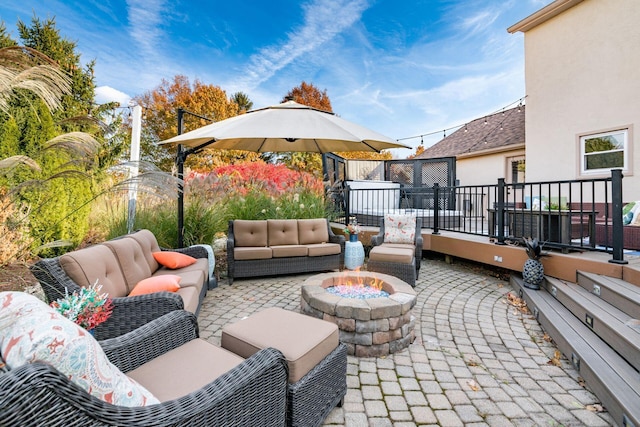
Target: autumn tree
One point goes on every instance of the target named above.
(306, 94)
(419, 150)
(160, 122)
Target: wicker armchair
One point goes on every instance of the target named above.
(130, 312)
(405, 271)
(251, 394)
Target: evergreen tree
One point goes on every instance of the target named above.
(243, 101)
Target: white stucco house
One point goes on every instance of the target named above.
(582, 67)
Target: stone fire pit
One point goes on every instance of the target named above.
(369, 327)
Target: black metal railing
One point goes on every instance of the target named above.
(568, 215)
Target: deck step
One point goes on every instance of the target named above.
(623, 295)
(613, 326)
(607, 374)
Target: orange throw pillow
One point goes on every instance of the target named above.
(173, 260)
(164, 282)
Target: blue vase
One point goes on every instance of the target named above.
(353, 237)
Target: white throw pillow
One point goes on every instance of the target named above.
(31, 331)
(400, 229)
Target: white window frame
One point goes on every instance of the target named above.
(626, 150)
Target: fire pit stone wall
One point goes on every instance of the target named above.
(369, 327)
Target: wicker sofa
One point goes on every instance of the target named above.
(196, 383)
(282, 246)
(630, 235)
(118, 265)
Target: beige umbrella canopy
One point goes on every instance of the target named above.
(286, 127)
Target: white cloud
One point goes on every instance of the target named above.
(145, 19)
(323, 20)
(106, 94)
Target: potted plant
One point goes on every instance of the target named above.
(351, 230)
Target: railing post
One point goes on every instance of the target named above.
(500, 212)
(347, 204)
(617, 226)
(436, 208)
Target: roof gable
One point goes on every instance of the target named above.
(499, 130)
(543, 15)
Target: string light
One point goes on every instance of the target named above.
(520, 105)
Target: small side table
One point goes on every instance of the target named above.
(353, 255)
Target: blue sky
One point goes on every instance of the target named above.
(402, 68)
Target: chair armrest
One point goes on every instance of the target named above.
(129, 313)
(52, 278)
(151, 340)
(194, 251)
(419, 245)
(419, 241)
(377, 240)
(252, 394)
(336, 238)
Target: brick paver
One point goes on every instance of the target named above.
(476, 360)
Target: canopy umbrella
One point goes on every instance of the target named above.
(285, 127)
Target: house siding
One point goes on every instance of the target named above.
(582, 70)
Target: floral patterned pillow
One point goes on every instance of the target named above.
(31, 331)
(400, 229)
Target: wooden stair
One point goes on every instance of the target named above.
(595, 325)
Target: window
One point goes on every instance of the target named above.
(604, 151)
(516, 169)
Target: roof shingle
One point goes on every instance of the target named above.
(490, 132)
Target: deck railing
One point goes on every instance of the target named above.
(568, 215)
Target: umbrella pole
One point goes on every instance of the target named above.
(180, 158)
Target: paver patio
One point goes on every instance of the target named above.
(477, 359)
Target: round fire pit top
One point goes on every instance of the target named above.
(401, 299)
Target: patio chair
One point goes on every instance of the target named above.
(186, 374)
(397, 248)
